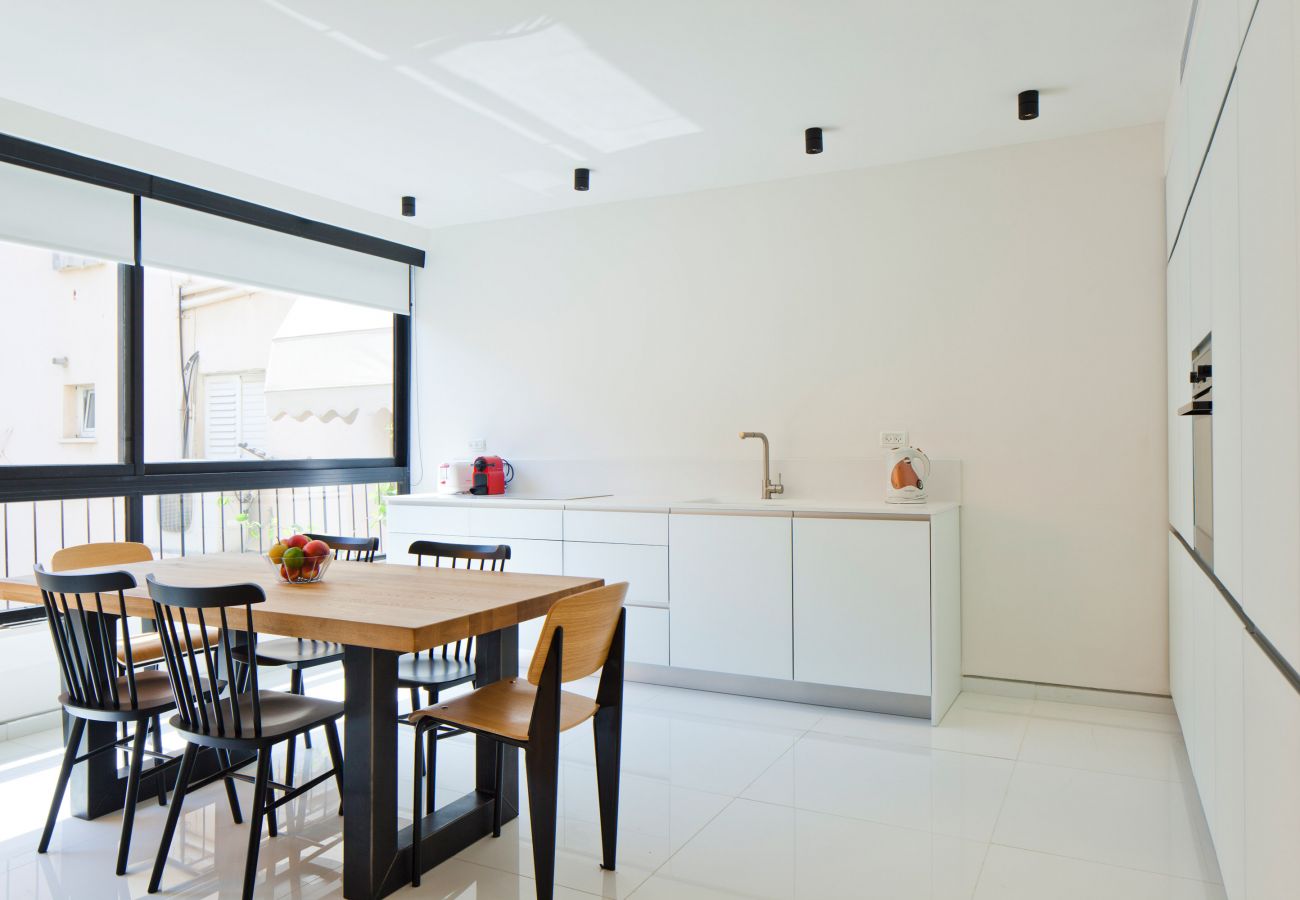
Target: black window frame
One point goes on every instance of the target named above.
(133, 478)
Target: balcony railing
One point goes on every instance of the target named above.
(245, 521)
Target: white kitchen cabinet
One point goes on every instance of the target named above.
(644, 568)
(730, 584)
(1201, 741)
(1179, 358)
(1228, 824)
(1270, 325)
(510, 522)
(1177, 167)
(1220, 180)
(616, 527)
(1180, 636)
(1272, 775)
(647, 635)
(419, 518)
(862, 604)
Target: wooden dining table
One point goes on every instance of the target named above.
(377, 612)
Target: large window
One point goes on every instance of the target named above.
(245, 373)
(60, 363)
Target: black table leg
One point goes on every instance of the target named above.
(376, 854)
(369, 772)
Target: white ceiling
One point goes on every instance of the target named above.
(482, 109)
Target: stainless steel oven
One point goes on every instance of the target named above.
(1201, 410)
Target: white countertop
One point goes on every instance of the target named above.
(624, 503)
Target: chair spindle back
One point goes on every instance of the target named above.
(196, 667)
(353, 549)
(490, 558)
(84, 635)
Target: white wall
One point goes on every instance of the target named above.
(1006, 306)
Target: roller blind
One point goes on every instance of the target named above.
(184, 240)
(64, 214)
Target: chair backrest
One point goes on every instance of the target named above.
(588, 620)
(184, 615)
(490, 557)
(83, 633)
(107, 553)
(358, 549)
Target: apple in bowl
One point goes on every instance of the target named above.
(299, 559)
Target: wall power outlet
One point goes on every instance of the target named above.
(478, 445)
(890, 439)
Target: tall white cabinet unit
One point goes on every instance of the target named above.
(1234, 622)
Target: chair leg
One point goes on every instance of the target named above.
(431, 768)
(156, 726)
(223, 757)
(497, 775)
(173, 814)
(255, 822)
(132, 794)
(336, 757)
(542, 763)
(69, 758)
(608, 729)
(417, 804)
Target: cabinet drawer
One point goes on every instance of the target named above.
(616, 527)
(647, 635)
(645, 569)
(540, 524)
(410, 518)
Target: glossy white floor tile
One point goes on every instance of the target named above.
(1011, 874)
(956, 794)
(1138, 823)
(723, 797)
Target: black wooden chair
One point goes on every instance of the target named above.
(98, 688)
(451, 664)
(299, 654)
(582, 633)
(248, 720)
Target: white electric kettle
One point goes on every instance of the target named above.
(908, 470)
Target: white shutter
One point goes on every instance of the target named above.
(252, 416)
(185, 240)
(221, 416)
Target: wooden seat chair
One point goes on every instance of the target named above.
(146, 649)
(245, 721)
(81, 610)
(299, 654)
(582, 633)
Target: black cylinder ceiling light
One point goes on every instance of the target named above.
(581, 179)
(812, 141)
(1028, 105)
(408, 206)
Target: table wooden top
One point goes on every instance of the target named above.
(387, 607)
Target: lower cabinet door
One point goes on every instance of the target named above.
(862, 604)
(647, 635)
(730, 589)
(644, 568)
(1272, 779)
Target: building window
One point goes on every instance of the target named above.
(86, 411)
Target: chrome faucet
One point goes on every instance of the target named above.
(769, 487)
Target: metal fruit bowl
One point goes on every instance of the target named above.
(310, 569)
